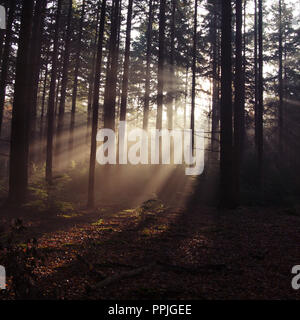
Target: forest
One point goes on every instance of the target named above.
(149, 149)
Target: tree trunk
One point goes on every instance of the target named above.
(260, 96)
(280, 79)
(215, 95)
(51, 101)
(112, 69)
(124, 95)
(64, 81)
(161, 59)
(2, 32)
(256, 74)
(44, 97)
(76, 74)
(148, 61)
(92, 78)
(5, 61)
(91, 187)
(35, 62)
(226, 161)
(194, 74)
(185, 96)
(239, 95)
(18, 172)
(171, 82)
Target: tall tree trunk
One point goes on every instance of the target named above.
(239, 95)
(255, 74)
(124, 95)
(280, 79)
(35, 53)
(148, 61)
(18, 172)
(76, 74)
(91, 187)
(171, 82)
(260, 108)
(2, 32)
(161, 60)
(35, 62)
(112, 69)
(185, 96)
(51, 101)
(226, 161)
(244, 135)
(6, 54)
(44, 96)
(194, 74)
(92, 77)
(215, 123)
(64, 81)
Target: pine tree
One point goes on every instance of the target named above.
(18, 172)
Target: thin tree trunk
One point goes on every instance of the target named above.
(123, 108)
(215, 95)
(37, 33)
(280, 78)
(256, 74)
(111, 76)
(260, 95)
(194, 74)
(171, 82)
(185, 96)
(226, 160)
(51, 101)
(92, 78)
(75, 82)
(5, 61)
(2, 33)
(148, 61)
(161, 59)
(238, 103)
(35, 62)
(18, 172)
(64, 81)
(91, 187)
(44, 97)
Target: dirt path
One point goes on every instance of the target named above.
(204, 254)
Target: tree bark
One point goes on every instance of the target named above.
(91, 187)
(5, 61)
(92, 78)
(226, 161)
(171, 82)
(64, 81)
(215, 122)
(18, 172)
(239, 95)
(76, 74)
(35, 62)
(123, 108)
(148, 61)
(51, 101)
(280, 79)
(112, 69)
(194, 74)
(260, 110)
(161, 60)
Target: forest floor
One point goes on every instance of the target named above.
(157, 252)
